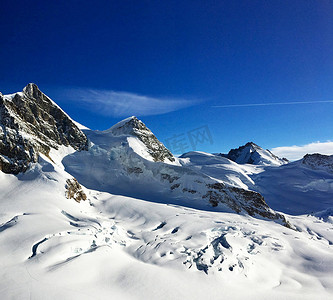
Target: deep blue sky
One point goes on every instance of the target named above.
(208, 52)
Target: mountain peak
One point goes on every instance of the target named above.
(132, 126)
(32, 90)
(251, 153)
(251, 144)
(127, 126)
(31, 123)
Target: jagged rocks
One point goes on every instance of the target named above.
(175, 186)
(240, 200)
(74, 190)
(30, 124)
(217, 193)
(189, 191)
(251, 153)
(318, 161)
(135, 170)
(169, 178)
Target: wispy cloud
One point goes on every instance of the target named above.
(297, 152)
(271, 104)
(122, 104)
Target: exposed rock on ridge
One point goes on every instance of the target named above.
(240, 200)
(251, 153)
(135, 127)
(237, 199)
(30, 124)
(318, 161)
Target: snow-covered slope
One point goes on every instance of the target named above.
(118, 247)
(301, 187)
(251, 153)
(126, 159)
(142, 140)
(138, 223)
(297, 188)
(121, 161)
(221, 168)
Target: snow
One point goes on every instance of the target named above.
(120, 247)
(57, 155)
(80, 126)
(139, 148)
(325, 215)
(137, 239)
(221, 168)
(120, 124)
(296, 189)
(253, 154)
(293, 188)
(9, 97)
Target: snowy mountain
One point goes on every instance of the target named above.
(153, 147)
(221, 168)
(128, 160)
(251, 153)
(113, 214)
(31, 123)
(300, 187)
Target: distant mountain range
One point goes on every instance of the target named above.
(68, 192)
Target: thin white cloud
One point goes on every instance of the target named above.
(122, 104)
(271, 104)
(297, 152)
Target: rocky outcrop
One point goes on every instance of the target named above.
(133, 126)
(251, 153)
(219, 194)
(318, 161)
(240, 200)
(74, 190)
(30, 124)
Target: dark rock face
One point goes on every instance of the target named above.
(137, 128)
(219, 194)
(31, 123)
(234, 154)
(240, 200)
(251, 153)
(318, 161)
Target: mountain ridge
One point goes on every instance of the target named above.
(32, 124)
(134, 126)
(90, 220)
(127, 158)
(251, 153)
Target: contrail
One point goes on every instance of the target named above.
(270, 104)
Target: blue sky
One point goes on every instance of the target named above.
(175, 63)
